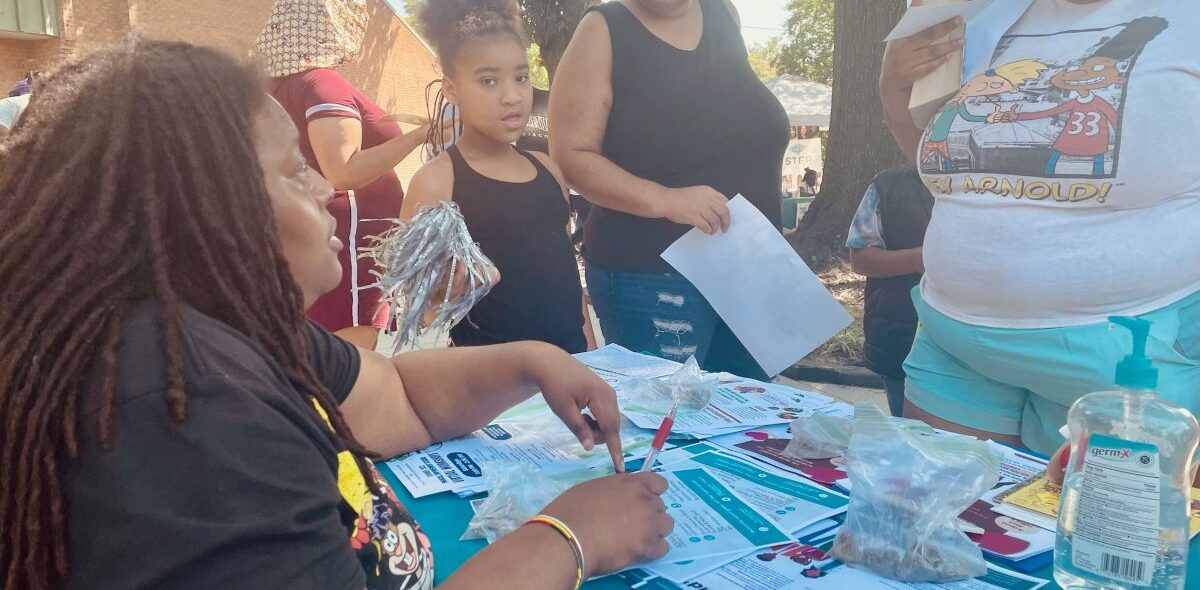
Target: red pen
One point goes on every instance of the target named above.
(660, 438)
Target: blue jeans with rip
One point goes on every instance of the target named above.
(665, 315)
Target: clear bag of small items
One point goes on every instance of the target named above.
(909, 488)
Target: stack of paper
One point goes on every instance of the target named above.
(790, 502)
(1002, 534)
(616, 363)
(1034, 500)
(528, 433)
(737, 404)
(680, 573)
(711, 519)
(804, 564)
(1018, 542)
(767, 444)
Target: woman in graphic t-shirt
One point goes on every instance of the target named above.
(1067, 192)
(189, 429)
(345, 137)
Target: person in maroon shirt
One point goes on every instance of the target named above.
(345, 137)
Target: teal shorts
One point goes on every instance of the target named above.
(1022, 381)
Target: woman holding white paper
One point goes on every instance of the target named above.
(1066, 192)
(657, 118)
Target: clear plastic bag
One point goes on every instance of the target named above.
(516, 493)
(689, 386)
(820, 436)
(909, 489)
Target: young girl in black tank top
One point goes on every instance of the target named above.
(513, 201)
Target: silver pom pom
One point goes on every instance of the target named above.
(418, 263)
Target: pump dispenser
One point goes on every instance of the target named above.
(1123, 523)
(1136, 370)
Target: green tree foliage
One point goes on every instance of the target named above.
(762, 59)
(807, 48)
(410, 11)
(537, 70)
(550, 24)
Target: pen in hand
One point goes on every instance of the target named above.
(660, 438)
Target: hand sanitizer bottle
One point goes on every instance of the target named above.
(1123, 523)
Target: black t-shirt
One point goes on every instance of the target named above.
(536, 135)
(253, 490)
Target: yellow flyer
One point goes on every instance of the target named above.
(1036, 501)
(1194, 508)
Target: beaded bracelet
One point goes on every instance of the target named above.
(567, 534)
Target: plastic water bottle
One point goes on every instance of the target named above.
(1123, 523)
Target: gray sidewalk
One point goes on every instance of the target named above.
(846, 393)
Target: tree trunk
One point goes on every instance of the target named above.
(859, 143)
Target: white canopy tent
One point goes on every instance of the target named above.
(807, 103)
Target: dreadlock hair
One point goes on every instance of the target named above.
(133, 175)
(449, 25)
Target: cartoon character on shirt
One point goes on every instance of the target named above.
(391, 548)
(397, 549)
(403, 548)
(996, 81)
(1089, 117)
(371, 524)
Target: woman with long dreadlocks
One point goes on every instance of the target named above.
(170, 418)
(345, 136)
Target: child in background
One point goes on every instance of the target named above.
(885, 246)
(513, 200)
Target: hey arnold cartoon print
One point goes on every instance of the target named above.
(1033, 116)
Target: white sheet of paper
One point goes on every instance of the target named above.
(760, 287)
(1008, 533)
(984, 33)
(737, 404)
(790, 502)
(680, 573)
(919, 18)
(617, 359)
(986, 21)
(458, 465)
(711, 519)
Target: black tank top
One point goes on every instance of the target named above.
(521, 226)
(684, 118)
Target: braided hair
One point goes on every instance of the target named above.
(132, 175)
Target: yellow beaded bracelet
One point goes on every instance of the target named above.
(567, 534)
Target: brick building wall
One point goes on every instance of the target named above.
(393, 68)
